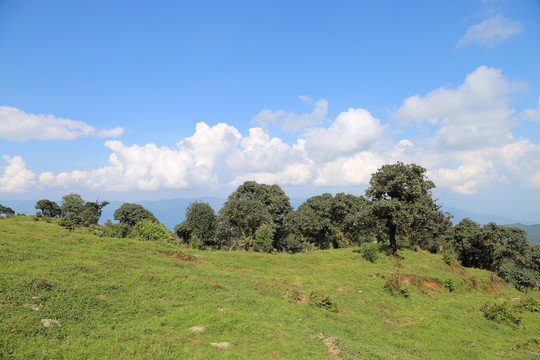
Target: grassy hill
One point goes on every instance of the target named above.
(76, 295)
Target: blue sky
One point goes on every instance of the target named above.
(133, 100)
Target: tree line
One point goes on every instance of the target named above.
(398, 210)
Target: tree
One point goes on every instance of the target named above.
(329, 221)
(48, 208)
(91, 212)
(133, 213)
(200, 224)
(72, 207)
(4, 210)
(399, 193)
(252, 205)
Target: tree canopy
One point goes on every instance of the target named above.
(403, 202)
(48, 208)
(199, 227)
(131, 214)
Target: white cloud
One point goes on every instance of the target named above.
(468, 176)
(351, 170)
(17, 125)
(351, 132)
(289, 121)
(474, 115)
(191, 166)
(111, 133)
(16, 177)
(532, 114)
(490, 31)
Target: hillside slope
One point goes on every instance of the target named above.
(77, 295)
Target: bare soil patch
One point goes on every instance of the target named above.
(181, 256)
(331, 345)
(220, 345)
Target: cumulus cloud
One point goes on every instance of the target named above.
(490, 31)
(16, 177)
(474, 115)
(352, 131)
(289, 121)
(532, 114)
(467, 178)
(18, 125)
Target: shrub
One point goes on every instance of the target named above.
(450, 285)
(292, 244)
(116, 230)
(519, 276)
(393, 285)
(530, 304)
(152, 231)
(263, 239)
(370, 251)
(449, 257)
(323, 301)
(502, 313)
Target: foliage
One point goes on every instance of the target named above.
(241, 218)
(75, 211)
(370, 251)
(392, 283)
(502, 313)
(116, 230)
(199, 227)
(149, 230)
(501, 249)
(330, 222)
(403, 203)
(4, 210)
(131, 214)
(450, 285)
(48, 208)
(323, 301)
(264, 237)
(530, 304)
(252, 205)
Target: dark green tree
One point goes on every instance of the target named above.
(199, 227)
(4, 210)
(131, 214)
(91, 212)
(48, 208)
(252, 205)
(72, 208)
(400, 192)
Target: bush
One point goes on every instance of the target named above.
(152, 231)
(448, 257)
(370, 251)
(450, 285)
(323, 301)
(503, 313)
(116, 230)
(292, 244)
(393, 285)
(263, 239)
(530, 304)
(519, 276)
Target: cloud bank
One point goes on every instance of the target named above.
(18, 125)
(468, 143)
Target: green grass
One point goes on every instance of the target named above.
(129, 299)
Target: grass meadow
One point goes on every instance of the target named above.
(75, 295)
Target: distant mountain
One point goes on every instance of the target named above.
(484, 219)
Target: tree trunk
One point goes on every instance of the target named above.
(392, 250)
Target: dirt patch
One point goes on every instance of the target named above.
(197, 329)
(344, 288)
(428, 283)
(433, 284)
(50, 322)
(331, 345)
(294, 293)
(376, 275)
(181, 256)
(220, 345)
(34, 307)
